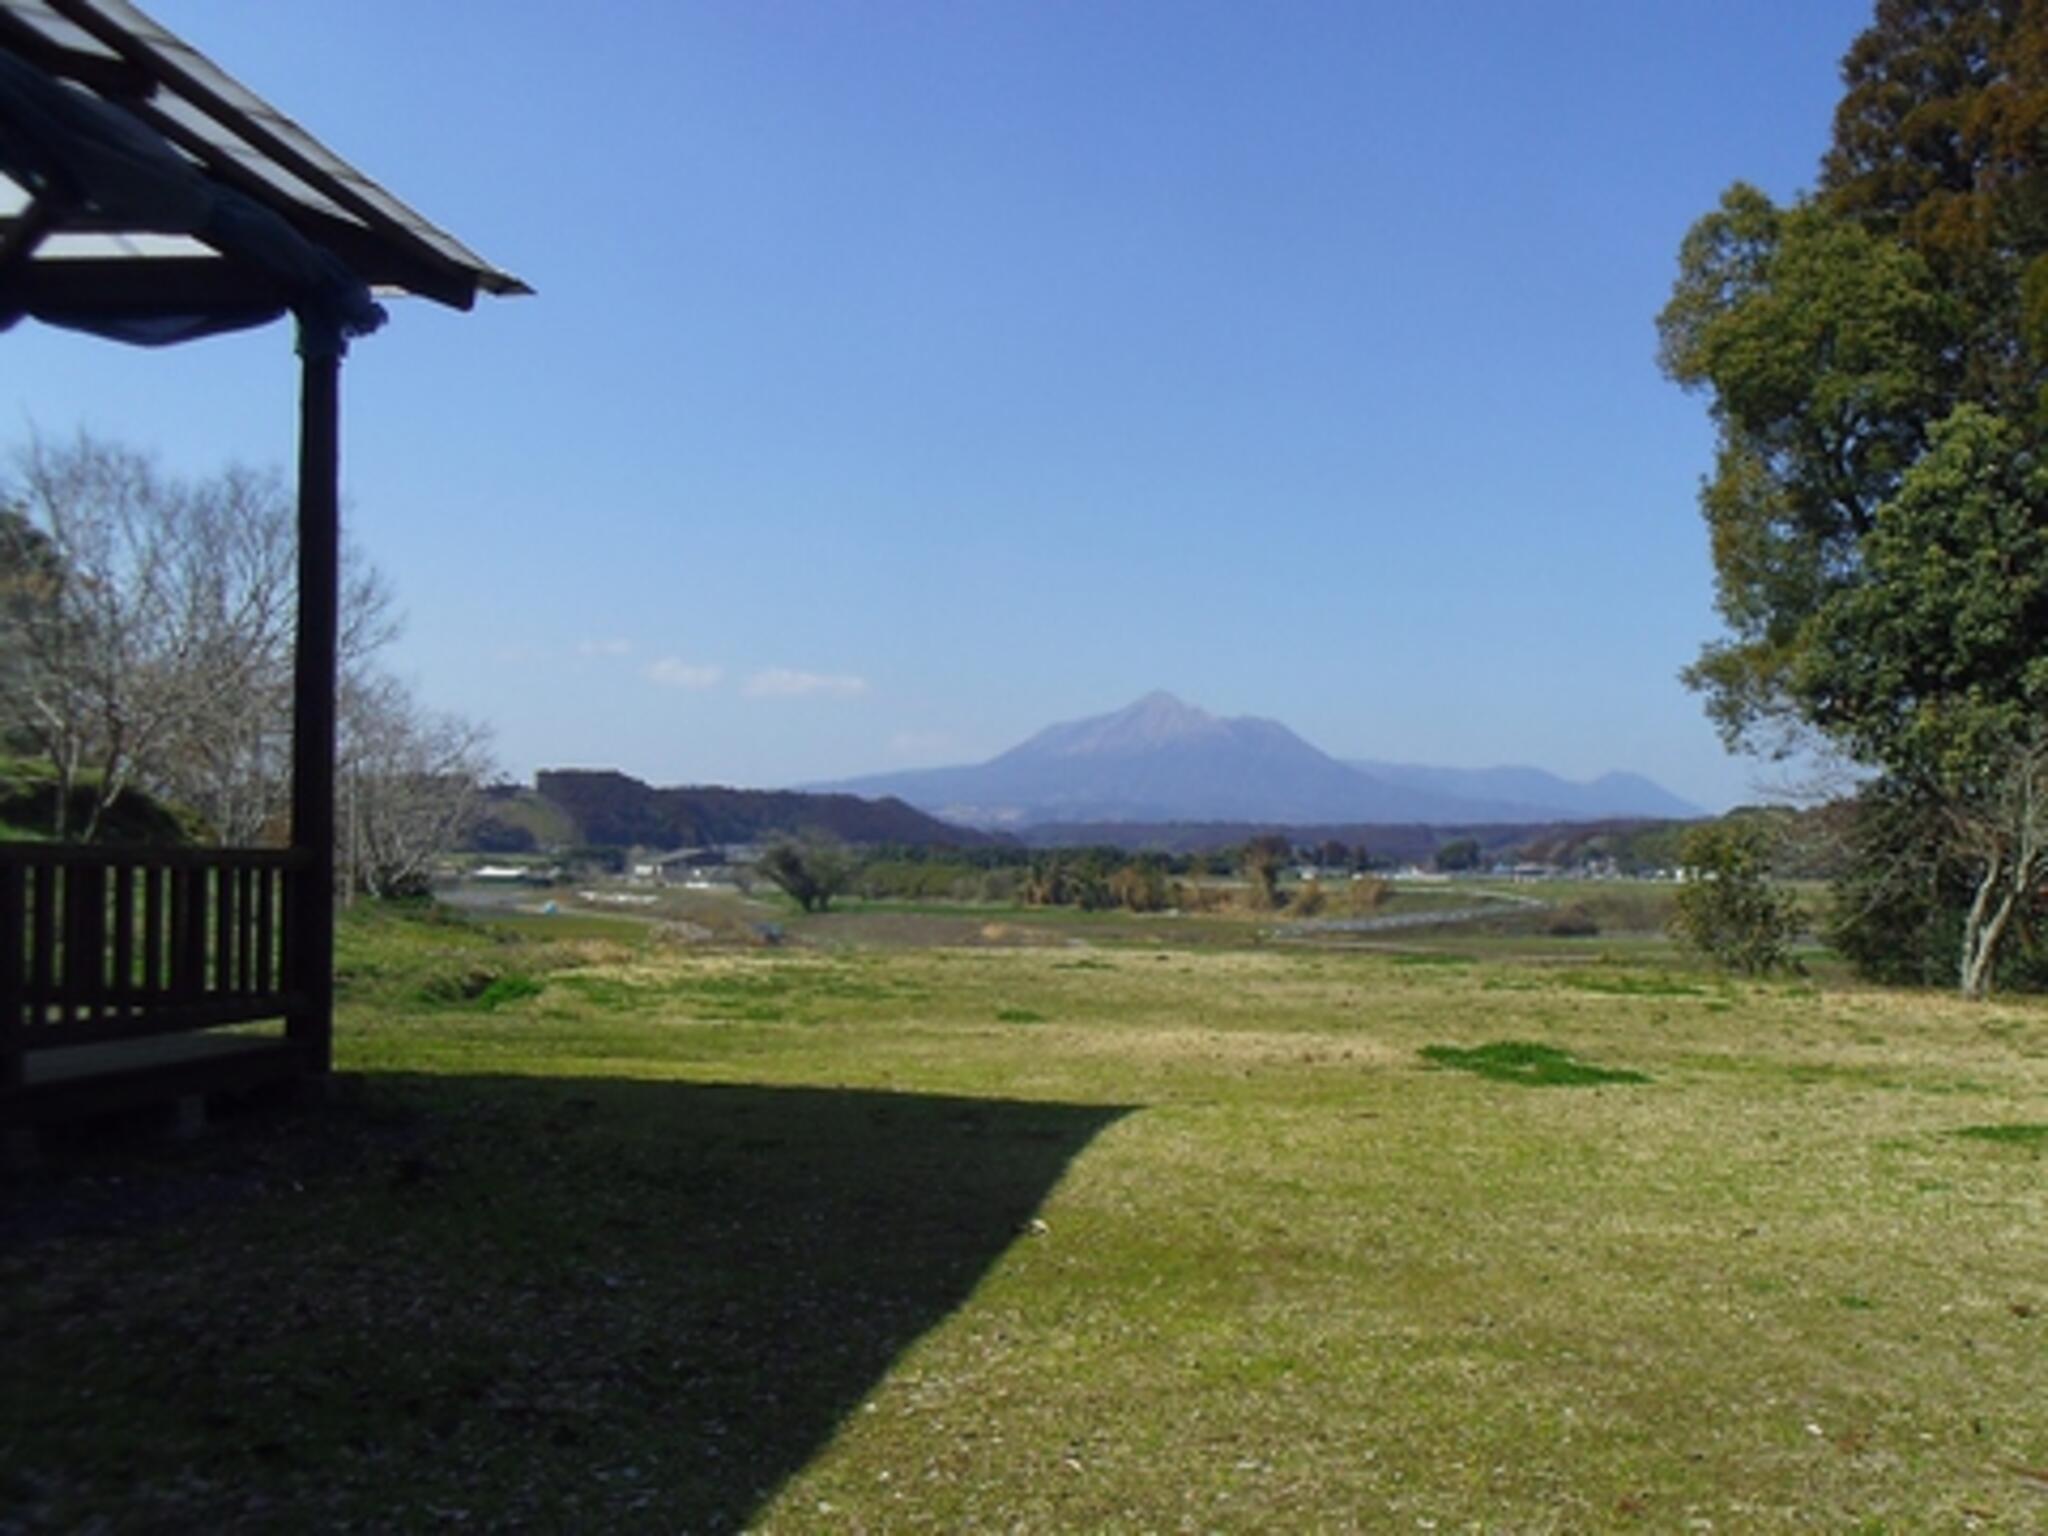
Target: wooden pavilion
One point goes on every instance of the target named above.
(147, 197)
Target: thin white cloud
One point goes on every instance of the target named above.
(612, 647)
(787, 683)
(674, 672)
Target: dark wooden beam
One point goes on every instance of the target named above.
(366, 256)
(309, 934)
(137, 286)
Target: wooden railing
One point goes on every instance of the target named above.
(112, 943)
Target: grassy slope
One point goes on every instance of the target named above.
(680, 1238)
(28, 804)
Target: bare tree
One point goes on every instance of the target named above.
(30, 573)
(229, 756)
(146, 633)
(410, 786)
(104, 653)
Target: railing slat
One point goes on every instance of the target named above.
(245, 924)
(124, 936)
(71, 945)
(267, 881)
(91, 963)
(177, 918)
(42, 929)
(189, 980)
(152, 931)
(225, 926)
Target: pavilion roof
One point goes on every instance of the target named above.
(201, 244)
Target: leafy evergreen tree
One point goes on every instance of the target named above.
(1876, 358)
(810, 869)
(1459, 854)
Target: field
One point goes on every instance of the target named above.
(928, 1221)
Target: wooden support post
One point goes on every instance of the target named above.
(309, 939)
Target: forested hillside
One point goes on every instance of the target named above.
(605, 808)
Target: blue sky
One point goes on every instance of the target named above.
(905, 376)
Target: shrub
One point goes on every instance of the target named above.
(508, 989)
(1575, 921)
(1728, 910)
(463, 984)
(1461, 854)
(1259, 861)
(1140, 886)
(1365, 896)
(1308, 900)
(999, 885)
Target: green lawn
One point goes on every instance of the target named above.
(851, 1234)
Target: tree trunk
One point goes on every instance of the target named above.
(66, 764)
(1985, 927)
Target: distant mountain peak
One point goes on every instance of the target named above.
(1158, 705)
(1160, 758)
(1156, 721)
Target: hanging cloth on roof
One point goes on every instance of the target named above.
(82, 154)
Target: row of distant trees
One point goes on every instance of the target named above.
(816, 867)
(146, 632)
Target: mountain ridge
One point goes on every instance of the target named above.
(1160, 759)
(1614, 793)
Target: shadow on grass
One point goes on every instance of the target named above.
(502, 1302)
(1531, 1065)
